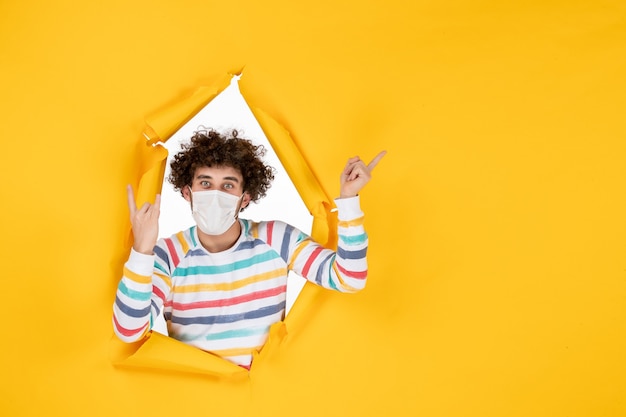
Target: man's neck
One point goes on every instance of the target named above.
(220, 243)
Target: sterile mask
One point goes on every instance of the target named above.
(214, 211)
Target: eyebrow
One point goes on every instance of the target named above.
(202, 177)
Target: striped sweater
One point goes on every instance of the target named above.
(225, 302)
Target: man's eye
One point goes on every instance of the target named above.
(204, 183)
(228, 186)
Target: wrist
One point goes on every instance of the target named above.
(349, 208)
(140, 263)
(144, 250)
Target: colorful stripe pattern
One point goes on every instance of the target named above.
(226, 302)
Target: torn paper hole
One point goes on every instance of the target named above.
(225, 112)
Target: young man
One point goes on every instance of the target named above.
(223, 283)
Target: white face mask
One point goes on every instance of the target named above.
(214, 211)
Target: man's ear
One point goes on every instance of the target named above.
(245, 200)
(186, 191)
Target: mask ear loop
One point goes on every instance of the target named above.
(240, 203)
(190, 196)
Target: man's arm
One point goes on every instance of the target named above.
(132, 310)
(145, 281)
(346, 269)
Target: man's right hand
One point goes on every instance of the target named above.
(145, 223)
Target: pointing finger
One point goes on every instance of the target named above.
(131, 200)
(157, 203)
(376, 160)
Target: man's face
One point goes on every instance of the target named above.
(222, 178)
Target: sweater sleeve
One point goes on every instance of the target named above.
(141, 293)
(344, 270)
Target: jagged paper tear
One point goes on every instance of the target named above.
(161, 352)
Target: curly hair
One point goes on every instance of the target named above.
(210, 148)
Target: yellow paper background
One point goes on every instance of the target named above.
(497, 220)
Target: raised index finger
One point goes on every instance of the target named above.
(157, 203)
(131, 200)
(376, 160)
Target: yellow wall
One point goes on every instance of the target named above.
(497, 220)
